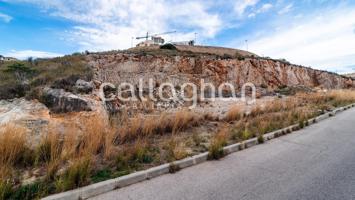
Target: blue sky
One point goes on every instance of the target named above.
(316, 33)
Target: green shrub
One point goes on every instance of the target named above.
(33, 191)
(246, 134)
(122, 162)
(5, 189)
(215, 151)
(101, 175)
(216, 147)
(142, 155)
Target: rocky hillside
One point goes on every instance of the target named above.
(71, 83)
(177, 69)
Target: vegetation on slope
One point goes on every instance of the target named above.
(25, 78)
(96, 151)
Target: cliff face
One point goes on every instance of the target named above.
(121, 67)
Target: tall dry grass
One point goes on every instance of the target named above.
(138, 127)
(233, 114)
(13, 144)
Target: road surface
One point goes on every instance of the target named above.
(317, 162)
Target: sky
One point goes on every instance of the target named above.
(315, 33)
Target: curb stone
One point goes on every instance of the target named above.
(157, 171)
(131, 179)
(109, 185)
(200, 158)
(231, 148)
(250, 143)
(184, 163)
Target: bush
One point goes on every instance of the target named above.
(239, 57)
(168, 46)
(218, 142)
(140, 153)
(175, 150)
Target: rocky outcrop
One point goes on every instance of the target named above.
(124, 67)
(30, 114)
(82, 86)
(59, 101)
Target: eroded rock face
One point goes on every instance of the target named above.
(59, 101)
(120, 67)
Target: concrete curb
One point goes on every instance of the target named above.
(109, 185)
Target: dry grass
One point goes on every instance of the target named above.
(233, 114)
(218, 142)
(50, 147)
(77, 175)
(211, 117)
(182, 120)
(12, 144)
(132, 142)
(138, 127)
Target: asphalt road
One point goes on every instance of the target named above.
(315, 163)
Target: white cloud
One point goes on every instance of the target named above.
(264, 8)
(30, 53)
(325, 40)
(4, 17)
(111, 24)
(241, 5)
(285, 9)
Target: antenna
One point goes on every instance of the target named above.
(246, 43)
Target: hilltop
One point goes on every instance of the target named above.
(211, 50)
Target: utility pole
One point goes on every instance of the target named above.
(246, 43)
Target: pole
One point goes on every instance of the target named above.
(246, 42)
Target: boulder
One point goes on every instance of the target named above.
(59, 101)
(82, 86)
